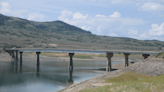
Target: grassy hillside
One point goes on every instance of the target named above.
(16, 32)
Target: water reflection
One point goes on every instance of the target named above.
(20, 67)
(16, 66)
(70, 80)
(37, 71)
(53, 75)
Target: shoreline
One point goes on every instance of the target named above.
(93, 82)
(149, 67)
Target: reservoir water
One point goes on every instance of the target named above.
(52, 76)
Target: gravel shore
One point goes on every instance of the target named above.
(146, 67)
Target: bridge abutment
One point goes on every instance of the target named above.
(126, 59)
(109, 65)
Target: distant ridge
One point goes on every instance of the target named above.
(17, 32)
(54, 26)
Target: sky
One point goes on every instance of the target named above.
(139, 19)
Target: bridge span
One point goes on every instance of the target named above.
(109, 55)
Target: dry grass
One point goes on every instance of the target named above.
(131, 82)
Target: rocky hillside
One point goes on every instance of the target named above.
(17, 32)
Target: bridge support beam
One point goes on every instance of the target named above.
(13, 55)
(126, 59)
(70, 64)
(10, 52)
(20, 57)
(38, 61)
(16, 51)
(145, 55)
(20, 66)
(109, 65)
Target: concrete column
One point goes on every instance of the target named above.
(13, 55)
(145, 55)
(20, 57)
(109, 65)
(10, 52)
(70, 65)
(16, 55)
(126, 59)
(20, 61)
(37, 62)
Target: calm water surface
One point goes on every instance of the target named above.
(51, 76)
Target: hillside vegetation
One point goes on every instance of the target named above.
(17, 32)
(131, 82)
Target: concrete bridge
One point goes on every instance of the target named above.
(109, 55)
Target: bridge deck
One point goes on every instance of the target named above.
(82, 51)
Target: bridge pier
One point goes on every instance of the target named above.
(109, 65)
(10, 52)
(70, 64)
(20, 58)
(126, 59)
(145, 55)
(38, 61)
(13, 55)
(16, 55)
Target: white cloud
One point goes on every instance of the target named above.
(121, 1)
(144, 36)
(152, 7)
(115, 14)
(113, 34)
(133, 32)
(157, 30)
(99, 15)
(5, 8)
(65, 15)
(87, 28)
(36, 16)
(78, 15)
(99, 24)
